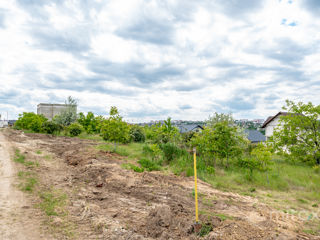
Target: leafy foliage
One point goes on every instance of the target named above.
(75, 129)
(137, 134)
(69, 115)
(149, 165)
(90, 123)
(51, 127)
(298, 136)
(171, 151)
(30, 121)
(220, 139)
(163, 133)
(114, 129)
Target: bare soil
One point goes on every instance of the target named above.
(107, 201)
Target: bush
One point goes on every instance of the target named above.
(75, 129)
(137, 134)
(153, 151)
(172, 151)
(50, 127)
(149, 165)
(30, 121)
(114, 129)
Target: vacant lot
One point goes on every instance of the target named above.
(80, 192)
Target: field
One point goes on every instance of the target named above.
(87, 189)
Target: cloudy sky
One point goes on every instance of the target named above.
(155, 58)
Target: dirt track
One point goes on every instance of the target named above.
(109, 202)
(14, 223)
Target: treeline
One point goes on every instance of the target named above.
(221, 144)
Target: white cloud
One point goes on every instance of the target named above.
(154, 59)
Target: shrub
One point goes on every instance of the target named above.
(153, 151)
(210, 170)
(30, 121)
(149, 165)
(114, 129)
(171, 151)
(51, 127)
(137, 134)
(75, 129)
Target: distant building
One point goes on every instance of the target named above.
(51, 110)
(3, 123)
(254, 136)
(272, 122)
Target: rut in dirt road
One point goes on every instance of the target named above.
(14, 223)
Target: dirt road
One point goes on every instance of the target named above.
(14, 221)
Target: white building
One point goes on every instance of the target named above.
(3, 123)
(271, 123)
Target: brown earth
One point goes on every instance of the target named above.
(107, 201)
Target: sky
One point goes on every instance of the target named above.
(159, 58)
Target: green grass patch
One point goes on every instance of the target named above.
(18, 157)
(133, 167)
(205, 229)
(95, 137)
(53, 202)
(29, 184)
(149, 165)
(38, 152)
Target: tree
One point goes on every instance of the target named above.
(298, 134)
(68, 115)
(89, 122)
(218, 118)
(30, 121)
(221, 138)
(114, 129)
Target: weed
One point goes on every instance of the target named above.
(38, 152)
(133, 167)
(29, 185)
(205, 229)
(302, 200)
(19, 158)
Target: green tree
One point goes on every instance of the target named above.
(68, 115)
(298, 134)
(114, 129)
(221, 138)
(30, 121)
(163, 133)
(89, 122)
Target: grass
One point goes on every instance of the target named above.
(132, 167)
(53, 202)
(95, 137)
(20, 158)
(222, 217)
(28, 181)
(38, 152)
(132, 150)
